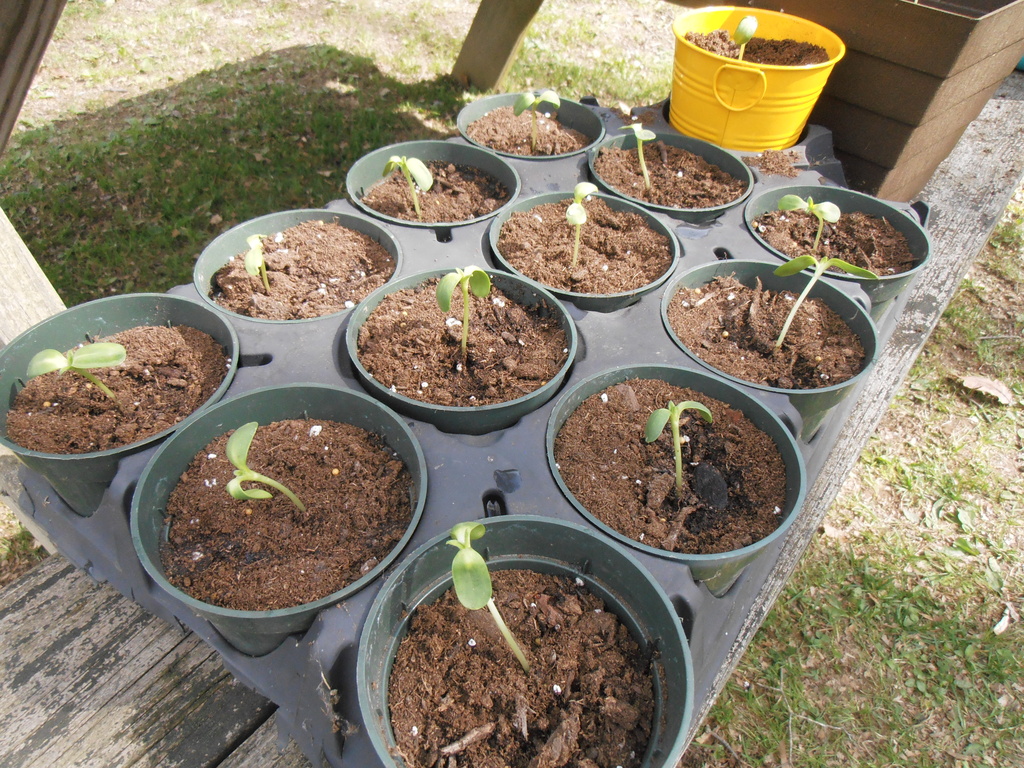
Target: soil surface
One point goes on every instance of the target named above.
(761, 50)
(167, 374)
(458, 193)
(618, 251)
(679, 179)
(458, 697)
(408, 344)
(734, 481)
(775, 162)
(866, 241)
(261, 554)
(314, 268)
(505, 131)
(734, 328)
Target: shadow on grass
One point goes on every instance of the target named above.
(125, 198)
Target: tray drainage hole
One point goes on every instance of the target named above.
(443, 234)
(494, 504)
(247, 361)
(723, 254)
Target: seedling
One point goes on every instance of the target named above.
(656, 424)
(416, 175)
(254, 261)
(800, 263)
(472, 581)
(527, 101)
(744, 32)
(238, 454)
(102, 354)
(576, 214)
(642, 135)
(823, 212)
(470, 278)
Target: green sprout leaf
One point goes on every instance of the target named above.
(642, 135)
(472, 581)
(416, 175)
(823, 212)
(469, 279)
(237, 452)
(529, 101)
(672, 415)
(254, 263)
(576, 214)
(582, 191)
(744, 32)
(103, 354)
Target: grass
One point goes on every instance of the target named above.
(154, 127)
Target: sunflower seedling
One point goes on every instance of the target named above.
(255, 264)
(102, 354)
(472, 581)
(416, 175)
(744, 32)
(576, 214)
(527, 101)
(823, 212)
(237, 451)
(800, 263)
(656, 424)
(642, 135)
(470, 278)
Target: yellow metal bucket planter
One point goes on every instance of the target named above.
(739, 104)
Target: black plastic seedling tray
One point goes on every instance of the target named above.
(311, 677)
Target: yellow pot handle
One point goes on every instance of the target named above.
(745, 70)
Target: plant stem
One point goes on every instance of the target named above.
(99, 384)
(643, 164)
(415, 197)
(533, 131)
(465, 317)
(507, 634)
(817, 237)
(576, 247)
(263, 274)
(274, 484)
(678, 448)
(818, 270)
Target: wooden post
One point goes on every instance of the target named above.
(26, 31)
(493, 41)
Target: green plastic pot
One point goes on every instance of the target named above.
(259, 632)
(882, 291)
(81, 479)
(715, 155)
(230, 244)
(368, 171)
(595, 302)
(570, 114)
(470, 420)
(717, 571)
(812, 404)
(546, 546)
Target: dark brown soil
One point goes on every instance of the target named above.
(734, 481)
(679, 179)
(167, 374)
(618, 251)
(761, 50)
(863, 240)
(734, 328)
(774, 162)
(504, 131)
(314, 268)
(458, 697)
(409, 345)
(263, 554)
(459, 193)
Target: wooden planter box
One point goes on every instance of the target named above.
(914, 76)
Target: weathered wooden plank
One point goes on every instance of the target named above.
(493, 41)
(261, 751)
(26, 31)
(967, 195)
(88, 678)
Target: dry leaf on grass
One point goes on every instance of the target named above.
(992, 387)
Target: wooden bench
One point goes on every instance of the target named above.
(89, 679)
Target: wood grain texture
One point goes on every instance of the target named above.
(261, 750)
(87, 678)
(26, 296)
(493, 41)
(967, 195)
